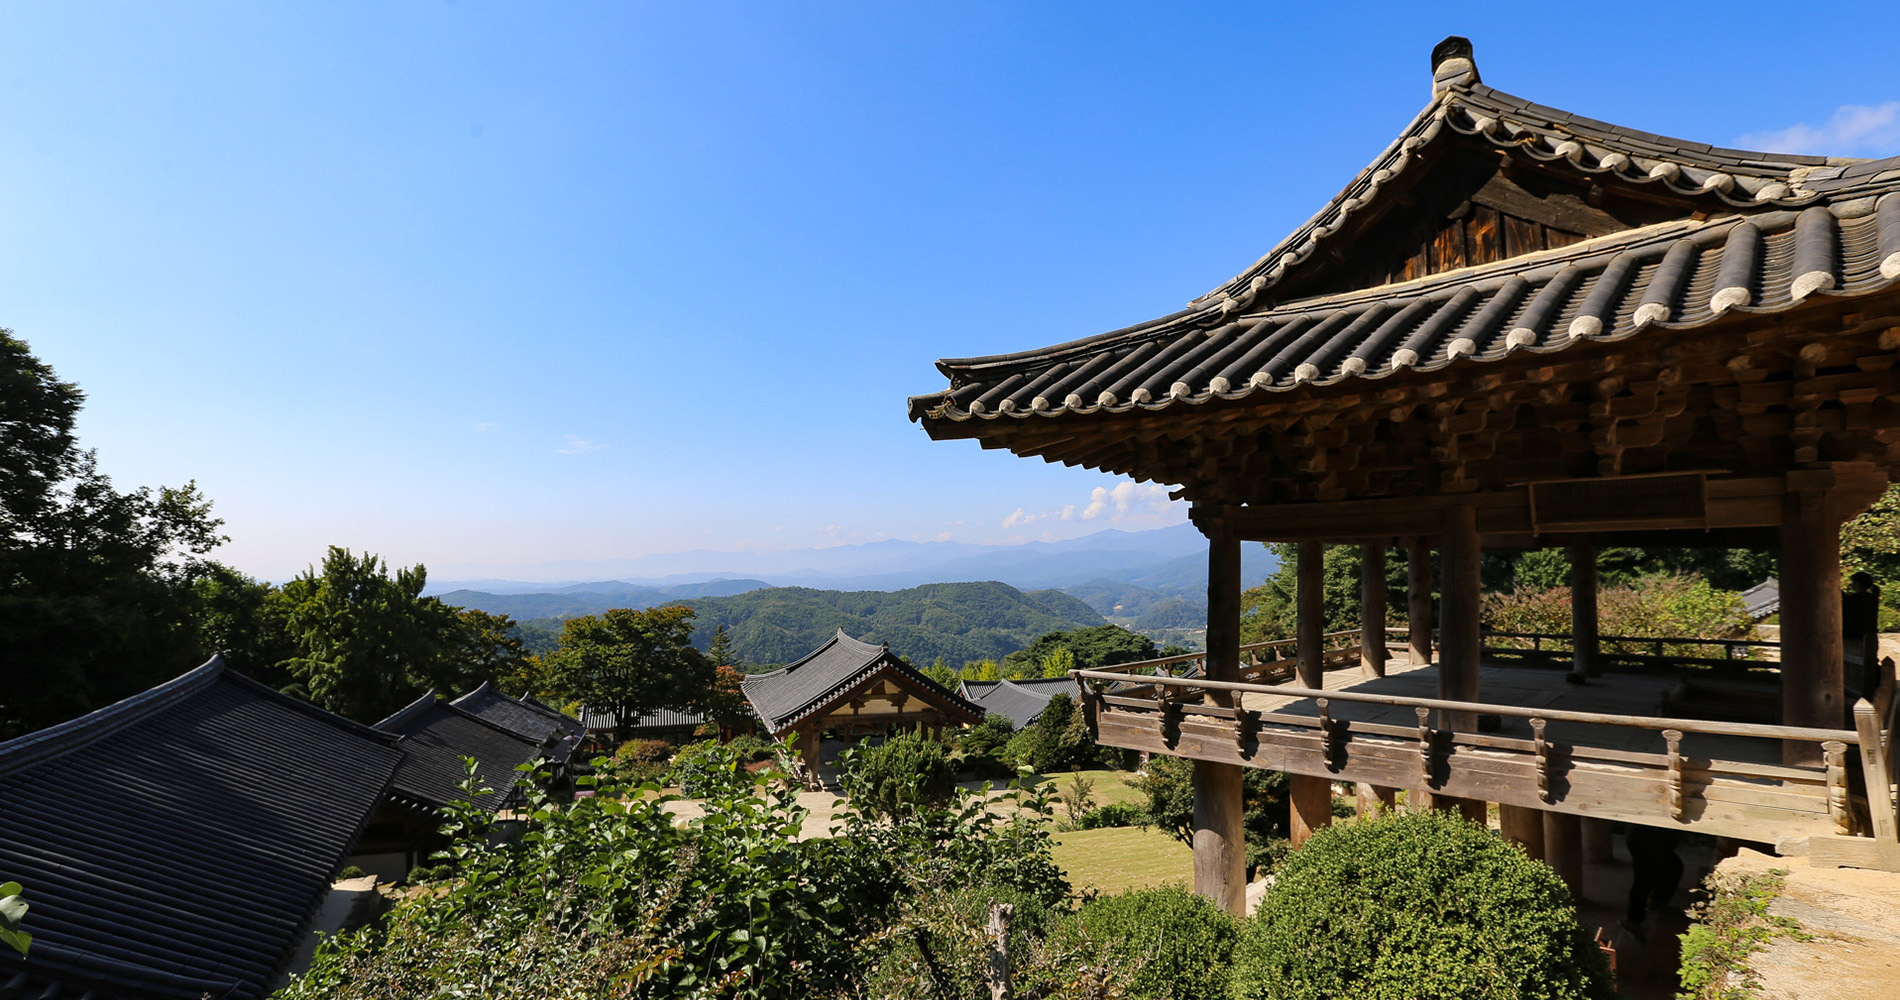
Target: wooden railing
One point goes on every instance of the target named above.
(1553, 769)
(1628, 650)
(1259, 661)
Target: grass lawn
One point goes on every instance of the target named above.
(1111, 787)
(1124, 857)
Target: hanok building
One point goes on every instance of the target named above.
(436, 738)
(1516, 328)
(179, 843)
(1019, 701)
(559, 734)
(851, 688)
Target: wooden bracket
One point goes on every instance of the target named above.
(1170, 712)
(1674, 738)
(1543, 759)
(1332, 731)
(1246, 732)
(1425, 745)
(1834, 754)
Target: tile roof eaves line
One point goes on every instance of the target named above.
(1174, 322)
(405, 713)
(317, 712)
(102, 723)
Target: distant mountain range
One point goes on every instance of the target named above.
(1118, 573)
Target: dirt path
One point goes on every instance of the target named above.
(1854, 917)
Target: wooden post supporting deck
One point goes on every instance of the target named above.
(1375, 799)
(1563, 849)
(1372, 608)
(1812, 647)
(1458, 638)
(1598, 848)
(1220, 845)
(1583, 611)
(1523, 826)
(1418, 601)
(1310, 606)
(1311, 800)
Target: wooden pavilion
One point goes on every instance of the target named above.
(851, 688)
(1516, 328)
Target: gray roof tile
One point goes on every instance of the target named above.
(783, 697)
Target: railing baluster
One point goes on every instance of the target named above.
(1834, 754)
(1674, 738)
(1543, 759)
(1425, 745)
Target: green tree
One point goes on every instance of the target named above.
(1096, 646)
(630, 662)
(95, 584)
(369, 642)
(719, 650)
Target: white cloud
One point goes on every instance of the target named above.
(577, 445)
(486, 426)
(1127, 501)
(1021, 517)
(1855, 130)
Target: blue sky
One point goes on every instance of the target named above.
(484, 285)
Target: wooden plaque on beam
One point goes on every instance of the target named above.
(1674, 500)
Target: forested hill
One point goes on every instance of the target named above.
(957, 621)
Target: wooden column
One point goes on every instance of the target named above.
(1583, 611)
(1220, 844)
(1523, 826)
(1812, 647)
(1312, 806)
(1458, 638)
(1372, 608)
(1418, 604)
(1310, 603)
(1375, 799)
(1598, 846)
(1563, 849)
(811, 752)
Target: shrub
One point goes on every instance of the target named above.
(1174, 945)
(350, 871)
(904, 773)
(987, 738)
(698, 767)
(1168, 784)
(1731, 925)
(749, 747)
(641, 761)
(1416, 906)
(1118, 814)
(1660, 604)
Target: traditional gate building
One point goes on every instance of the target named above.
(1516, 328)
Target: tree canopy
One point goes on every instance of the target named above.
(631, 661)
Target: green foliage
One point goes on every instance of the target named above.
(1416, 906)
(904, 773)
(350, 871)
(1730, 925)
(1078, 797)
(957, 621)
(1870, 543)
(1059, 740)
(367, 642)
(630, 662)
(95, 583)
(1650, 606)
(637, 762)
(986, 738)
(1113, 815)
(1176, 945)
(1083, 648)
(1168, 785)
(697, 767)
(1270, 611)
(13, 909)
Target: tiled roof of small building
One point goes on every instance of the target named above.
(436, 736)
(178, 843)
(1019, 701)
(558, 733)
(783, 697)
(659, 718)
(1770, 232)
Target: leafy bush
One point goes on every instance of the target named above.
(904, 773)
(1118, 814)
(749, 747)
(1174, 944)
(641, 761)
(696, 766)
(1058, 740)
(1416, 906)
(350, 871)
(986, 738)
(1655, 605)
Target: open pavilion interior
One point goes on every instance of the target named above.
(1517, 328)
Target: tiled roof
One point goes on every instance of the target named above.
(783, 697)
(659, 718)
(558, 733)
(1019, 701)
(436, 736)
(1774, 232)
(178, 843)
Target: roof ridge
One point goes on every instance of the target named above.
(103, 723)
(403, 714)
